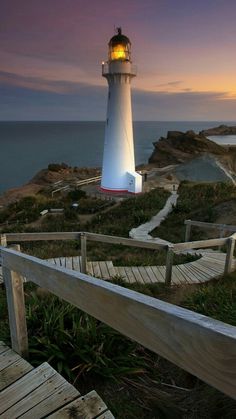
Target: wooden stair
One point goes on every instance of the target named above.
(210, 265)
(34, 393)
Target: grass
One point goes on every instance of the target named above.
(195, 202)
(133, 381)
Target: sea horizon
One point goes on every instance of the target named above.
(29, 146)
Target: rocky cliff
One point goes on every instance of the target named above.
(220, 130)
(179, 147)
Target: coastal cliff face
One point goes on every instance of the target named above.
(179, 147)
(220, 130)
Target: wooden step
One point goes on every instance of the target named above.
(41, 392)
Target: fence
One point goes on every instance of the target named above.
(170, 248)
(202, 346)
(223, 228)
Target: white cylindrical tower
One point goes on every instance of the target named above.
(118, 170)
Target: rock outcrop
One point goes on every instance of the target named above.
(179, 147)
(220, 130)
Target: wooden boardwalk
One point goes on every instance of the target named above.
(210, 265)
(34, 393)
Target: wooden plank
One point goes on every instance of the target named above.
(76, 263)
(104, 270)
(24, 386)
(197, 275)
(177, 277)
(90, 268)
(229, 255)
(205, 276)
(43, 400)
(126, 242)
(200, 244)
(96, 269)
(86, 407)
(122, 273)
(20, 237)
(110, 268)
(204, 270)
(150, 273)
(13, 372)
(63, 262)
(14, 284)
(68, 263)
(207, 347)
(216, 269)
(3, 347)
(7, 358)
(143, 273)
(187, 273)
(130, 275)
(137, 275)
(83, 245)
(159, 272)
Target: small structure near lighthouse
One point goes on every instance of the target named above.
(118, 170)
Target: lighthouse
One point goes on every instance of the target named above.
(118, 170)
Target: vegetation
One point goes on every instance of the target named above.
(129, 214)
(133, 381)
(197, 202)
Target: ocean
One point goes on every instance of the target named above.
(27, 147)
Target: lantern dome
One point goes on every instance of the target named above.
(119, 47)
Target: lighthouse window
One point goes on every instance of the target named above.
(118, 52)
(109, 95)
(107, 121)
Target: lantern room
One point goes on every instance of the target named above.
(119, 47)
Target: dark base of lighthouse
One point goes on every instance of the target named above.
(117, 191)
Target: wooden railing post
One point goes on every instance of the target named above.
(3, 240)
(187, 232)
(169, 263)
(16, 310)
(230, 254)
(83, 239)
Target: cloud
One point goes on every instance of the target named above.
(23, 98)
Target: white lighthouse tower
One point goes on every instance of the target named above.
(118, 171)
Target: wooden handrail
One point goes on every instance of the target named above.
(202, 346)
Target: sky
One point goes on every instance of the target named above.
(51, 53)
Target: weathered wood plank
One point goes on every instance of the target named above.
(122, 273)
(143, 274)
(25, 385)
(16, 310)
(199, 244)
(197, 275)
(104, 270)
(7, 358)
(3, 347)
(68, 263)
(126, 242)
(20, 237)
(229, 255)
(43, 400)
(205, 276)
(96, 269)
(130, 275)
(13, 372)
(150, 274)
(159, 272)
(86, 407)
(110, 268)
(137, 275)
(208, 347)
(90, 268)
(76, 263)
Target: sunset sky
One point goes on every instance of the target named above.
(51, 53)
